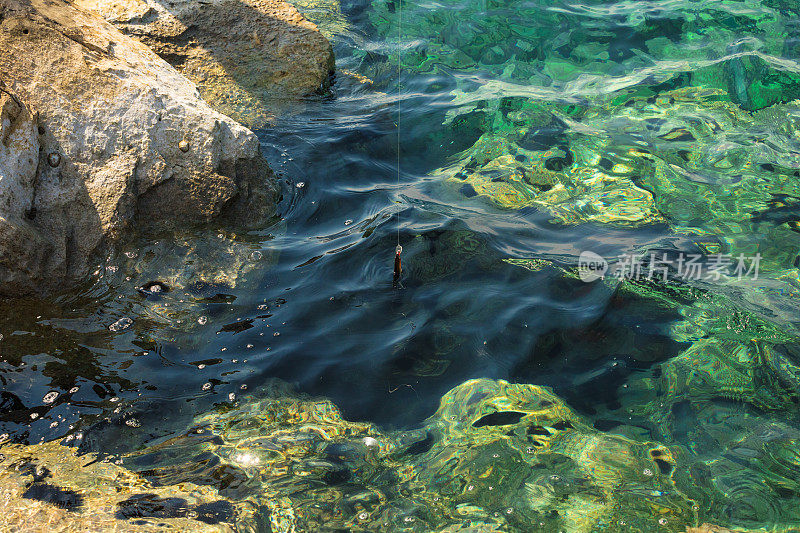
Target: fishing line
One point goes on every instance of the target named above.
(398, 269)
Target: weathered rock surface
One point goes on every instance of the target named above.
(101, 136)
(244, 55)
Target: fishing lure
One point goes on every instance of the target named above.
(398, 267)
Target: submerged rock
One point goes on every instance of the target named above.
(495, 457)
(558, 179)
(244, 55)
(115, 114)
(519, 455)
(178, 279)
(46, 485)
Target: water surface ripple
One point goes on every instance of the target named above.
(529, 132)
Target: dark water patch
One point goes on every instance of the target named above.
(237, 327)
(500, 418)
(421, 446)
(151, 506)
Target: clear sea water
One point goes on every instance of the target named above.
(528, 132)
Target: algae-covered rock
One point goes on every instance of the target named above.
(687, 157)
(495, 457)
(244, 55)
(518, 454)
(558, 179)
(294, 458)
(666, 129)
(744, 458)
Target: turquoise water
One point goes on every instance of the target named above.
(529, 133)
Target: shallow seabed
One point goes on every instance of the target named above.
(493, 389)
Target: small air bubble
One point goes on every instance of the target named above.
(201, 367)
(647, 472)
(132, 422)
(232, 397)
(122, 323)
(256, 256)
(300, 184)
(348, 222)
(206, 386)
(50, 397)
(203, 320)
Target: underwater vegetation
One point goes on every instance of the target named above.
(495, 456)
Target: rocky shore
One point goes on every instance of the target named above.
(247, 57)
(101, 136)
